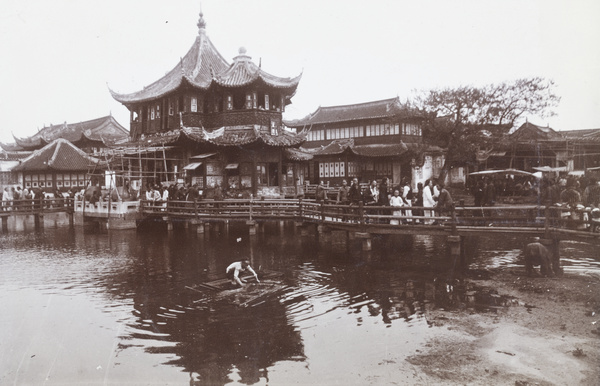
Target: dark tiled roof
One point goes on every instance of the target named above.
(297, 155)
(58, 155)
(104, 129)
(529, 131)
(14, 155)
(337, 147)
(243, 72)
(225, 136)
(196, 68)
(10, 147)
(583, 135)
(334, 147)
(200, 67)
(368, 110)
(380, 150)
(160, 139)
(244, 135)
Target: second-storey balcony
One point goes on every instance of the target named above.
(232, 118)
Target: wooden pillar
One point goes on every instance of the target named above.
(254, 178)
(454, 244)
(324, 234)
(280, 172)
(38, 220)
(366, 240)
(4, 224)
(252, 227)
(304, 230)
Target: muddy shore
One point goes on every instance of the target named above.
(541, 331)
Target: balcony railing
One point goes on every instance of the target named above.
(232, 118)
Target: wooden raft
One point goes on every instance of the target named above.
(223, 284)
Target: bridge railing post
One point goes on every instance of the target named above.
(300, 209)
(250, 209)
(546, 221)
(454, 220)
(361, 213)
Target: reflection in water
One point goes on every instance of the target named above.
(127, 290)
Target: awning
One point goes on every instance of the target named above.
(503, 171)
(231, 166)
(192, 166)
(202, 156)
(548, 169)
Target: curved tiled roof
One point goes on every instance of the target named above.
(160, 139)
(58, 155)
(584, 135)
(297, 155)
(531, 132)
(203, 65)
(104, 129)
(368, 110)
(243, 72)
(244, 135)
(338, 147)
(225, 136)
(196, 68)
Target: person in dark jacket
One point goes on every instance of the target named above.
(321, 193)
(445, 203)
(355, 195)
(489, 195)
(384, 198)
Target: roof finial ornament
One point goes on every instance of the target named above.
(201, 23)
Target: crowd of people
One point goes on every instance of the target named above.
(430, 199)
(549, 191)
(15, 197)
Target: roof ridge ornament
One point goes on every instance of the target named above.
(201, 23)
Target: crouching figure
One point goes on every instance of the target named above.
(546, 257)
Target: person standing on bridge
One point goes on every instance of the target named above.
(321, 193)
(234, 269)
(6, 199)
(343, 194)
(396, 201)
(428, 201)
(445, 202)
(355, 195)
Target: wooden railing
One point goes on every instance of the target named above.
(530, 217)
(36, 206)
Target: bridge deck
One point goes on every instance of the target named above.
(519, 219)
(559, 222)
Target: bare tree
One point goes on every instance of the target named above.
(467, 118)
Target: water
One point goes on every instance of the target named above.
(113, 308)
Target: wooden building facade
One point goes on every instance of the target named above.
(214, 124)
(532, 147)
(368, 141)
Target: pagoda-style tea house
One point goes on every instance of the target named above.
(214, 124)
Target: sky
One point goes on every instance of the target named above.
(60, 57)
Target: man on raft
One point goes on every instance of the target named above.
(234, 269)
